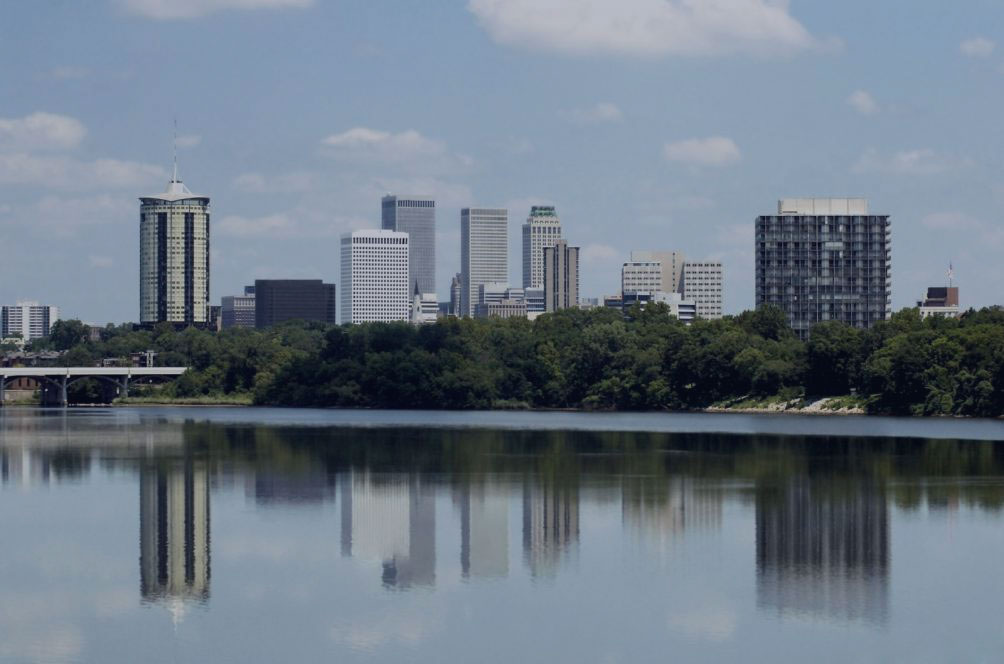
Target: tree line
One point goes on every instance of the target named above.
(594, 359)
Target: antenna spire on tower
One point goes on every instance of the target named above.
(175, 178)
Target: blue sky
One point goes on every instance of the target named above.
(664, 124)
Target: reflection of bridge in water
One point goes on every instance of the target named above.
(54, 381)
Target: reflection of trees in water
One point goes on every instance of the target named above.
(822, 547)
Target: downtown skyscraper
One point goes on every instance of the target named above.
(541, 230)
(174, 257)
(824, 259)
(375, 282)
(416, 216)
(484, 252)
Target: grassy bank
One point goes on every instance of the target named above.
(236, 399)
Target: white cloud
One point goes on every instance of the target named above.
(598, 114)
(862, 102)
(182, 9)
(951, 221)
(60, 172)
(922, 161)
(408, 150)
(189, 141)
(41, 131)
(735, 235)
(519, 145)
(287, 183)
(255, 226)
(644, 27)
(599, 253)
(69, 73)
(376, 142)
(710, 624)
(712, 151)
(977, 47)
(101, 262)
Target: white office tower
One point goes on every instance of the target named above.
(28, 320)
(541, 230)
(174, 257)
(484, 252)
(672, 266)
(702, 284)
(641, 277)
(375, 277)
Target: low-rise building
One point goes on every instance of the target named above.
(941, 301)
(239, 310)
(504, 308)
(279, 300)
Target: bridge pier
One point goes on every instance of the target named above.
(3, 386)
(63, 398)
(125, 387)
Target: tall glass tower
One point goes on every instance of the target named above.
(174, 256)
(416, 216)
(824, 259)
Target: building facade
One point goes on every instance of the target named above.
(541, 230)
(280, 300)
(561, 277)
(174, 257)
(824, 259)
(375, 277)
(702, 284)
(683, 309)
(484, 252)
(504, 308)
(941, 301)
(645, 276)
(238, 310)
(416, 216)
(672, 266)
(28, 320)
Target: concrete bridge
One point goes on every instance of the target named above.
(54, 381)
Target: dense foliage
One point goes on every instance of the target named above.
(582, 359)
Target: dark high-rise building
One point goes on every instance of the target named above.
(561, 276)
(278, 300)
(824, 259)
(416, 216)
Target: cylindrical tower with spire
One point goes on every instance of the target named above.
(174, 256)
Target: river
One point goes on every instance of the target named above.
(268, 535)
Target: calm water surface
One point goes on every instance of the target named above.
(247, 535)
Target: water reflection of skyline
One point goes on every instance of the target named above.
(174, 532)
(518, 503)
(392, 520)
(822, 549)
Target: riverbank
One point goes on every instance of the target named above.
(841, 405)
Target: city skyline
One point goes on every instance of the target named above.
(666, 143)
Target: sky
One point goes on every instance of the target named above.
(650, 124)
